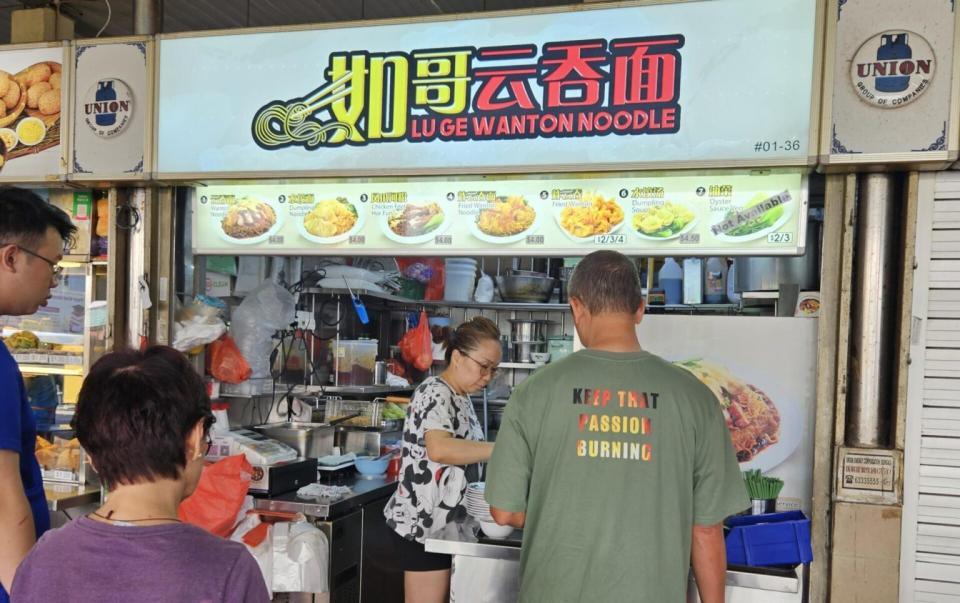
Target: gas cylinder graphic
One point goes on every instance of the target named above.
(893, 47)
(105, 94)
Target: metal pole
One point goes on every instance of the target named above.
(146, 17)
(874, 307)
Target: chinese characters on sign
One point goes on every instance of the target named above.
(575, 88)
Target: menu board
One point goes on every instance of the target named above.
(658, 214)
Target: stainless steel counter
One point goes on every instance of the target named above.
(460, 538)
(477, 577)
(364, 491)
(67, 496)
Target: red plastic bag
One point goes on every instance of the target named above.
(227, 363)
(216, 502)
(416, 346)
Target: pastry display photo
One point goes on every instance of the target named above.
(30, 102)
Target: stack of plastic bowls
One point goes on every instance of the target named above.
(460, 276)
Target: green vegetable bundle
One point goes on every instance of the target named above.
(761, 487)
(392, 412)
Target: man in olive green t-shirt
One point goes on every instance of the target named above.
(617, 464)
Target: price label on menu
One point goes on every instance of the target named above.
(780, 238)
(610, 239)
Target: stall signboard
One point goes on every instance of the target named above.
(762, 369)
(891, 83)
(32, 129)
(718, 83)
(655, 214)
(111, 109)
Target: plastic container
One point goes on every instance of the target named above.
(732, 295)
(355, 361)
(770, 539)
(715, 281)
(671, 281)
(692, 281)
(559, 347)
(458, 284)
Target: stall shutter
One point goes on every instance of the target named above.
(931, 554)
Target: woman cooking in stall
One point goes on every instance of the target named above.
(440, 435)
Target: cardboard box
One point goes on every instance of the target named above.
(79, 206)
(39, 25)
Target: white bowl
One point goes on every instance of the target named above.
(495, 530)
(540, 357)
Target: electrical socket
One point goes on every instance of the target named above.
(306, 320)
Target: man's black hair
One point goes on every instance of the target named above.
(25, 218)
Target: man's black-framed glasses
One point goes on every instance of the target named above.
(55, 268)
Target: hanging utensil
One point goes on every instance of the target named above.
(357, 304)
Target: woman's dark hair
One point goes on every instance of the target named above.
(25, 218)
(470, 334)
(135, 412)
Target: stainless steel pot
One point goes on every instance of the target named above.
(530, 287)
(522, 351)
(768, 273)
(311, 440)
(528, 330)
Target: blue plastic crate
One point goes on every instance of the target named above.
(769, 539)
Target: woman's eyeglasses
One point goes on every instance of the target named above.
(486, 369)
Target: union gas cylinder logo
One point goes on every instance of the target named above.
(892, 69)
(108, 107)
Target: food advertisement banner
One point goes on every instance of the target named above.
(768, 396)
(111, 113)
(657, 214)
(32, 92)
(723, 82)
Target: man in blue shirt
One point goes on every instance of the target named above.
(33, 234)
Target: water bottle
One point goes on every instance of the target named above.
(105, 94)
(715, 277)
(893, 47)
(732, 294)
(671, 281)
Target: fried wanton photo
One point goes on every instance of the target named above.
(599, 217)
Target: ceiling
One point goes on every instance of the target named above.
(194, 15)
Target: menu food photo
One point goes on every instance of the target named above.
(766, 390)
(658, 214)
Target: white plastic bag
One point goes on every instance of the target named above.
(266, 309)
(484, 291)
(300, 558)
(262, 553)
